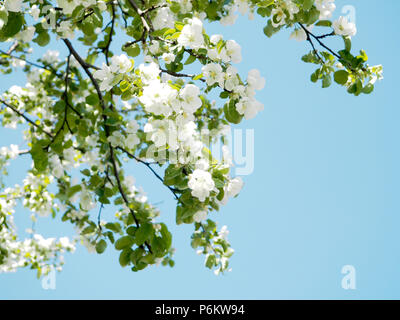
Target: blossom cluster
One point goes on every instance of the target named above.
(83, 117)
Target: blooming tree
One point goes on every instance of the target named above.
(85, 112)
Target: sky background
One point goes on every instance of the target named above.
(324, 192)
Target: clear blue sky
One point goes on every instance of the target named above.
(324, 192)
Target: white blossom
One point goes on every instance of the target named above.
(344, 27)
(13, 5)
(201, 184)
(233, 50)
(213, 74)
(255, 80)
(326, 8)
(200, 216)
(234, 187)
(192, 34)
(190, 100)
(86, 201)
(249, 107)
(51, 56)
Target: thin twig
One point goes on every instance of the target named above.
(25, 117)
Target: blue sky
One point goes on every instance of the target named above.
(324, 192)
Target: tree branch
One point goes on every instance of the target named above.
(106, 129)
(148, 165)
(25, 117)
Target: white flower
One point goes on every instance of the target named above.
(66, 243)
(190, 98)
(51, 56)
(57, 167)
(201, 183)
(17, 63)
(325, 8)
(70, 157)
(230, 18)
(243, 6)
(249, 107)
(86, 201)
(120, 64)
(154, 47)
(186, 6)
(231, 79)
(163, 19)
(298, 35)
(156, 97)
(215, 38)
(202, 164)
(11, 152)
(131, 140)
(149, 72)
(223, 233)
(255, 80)
(234, 51)
(213, 74)
(66, 30)
(27, 34)
(13, 5)
(92, 140)
(344, 27)
(168, 57)
(200, 216)
(292, 8)
(160, 131)
(116, 139)
(234, 186)
(132, 126)
(68, 6)
(35, 12)
(278, 17)
(106, 77)
(192, 34)
(102, 5)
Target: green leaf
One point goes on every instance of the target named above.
(307, 4)
(347, 43)
(326, 81)
(131, 231)
(42, 38)
(88, 230)
(231, 113)
(73, 190)
(190, 60)
(166, 235)
(86, 172)
(101, 246)
(224, 95)
(40, 157)
(341, 77)
(124, 257)
(13, 26)
(199, 76)
(324, 23)
(368, 88)
(210, 262)
(116, 227)
(132, 50)
(124, 242)
(269, 29)
(144, 233)
(179, 25)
